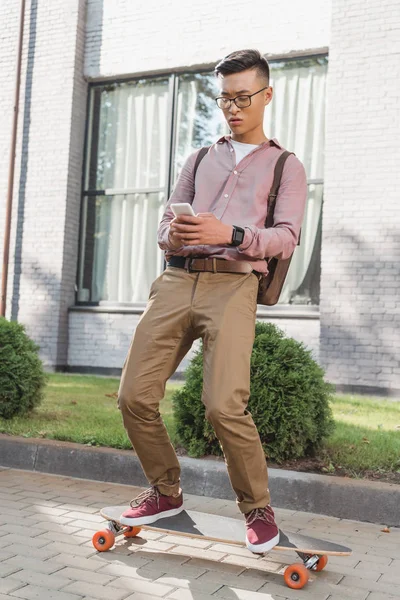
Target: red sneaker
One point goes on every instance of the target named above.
(262, 531)
(150, 506)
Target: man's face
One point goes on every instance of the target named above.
(245, 83)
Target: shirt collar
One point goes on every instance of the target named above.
(272, 141)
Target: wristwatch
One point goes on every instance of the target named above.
(237, 236)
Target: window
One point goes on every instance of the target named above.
(139, 134)
(126, 188)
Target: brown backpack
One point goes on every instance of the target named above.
(270, 284)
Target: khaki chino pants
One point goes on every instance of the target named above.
(220, 308)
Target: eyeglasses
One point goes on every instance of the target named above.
(240, 101)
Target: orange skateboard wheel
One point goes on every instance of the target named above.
(296, 576)
(103, 540)
(132, 532)
(321, 564)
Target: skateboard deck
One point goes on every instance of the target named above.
(193, 524)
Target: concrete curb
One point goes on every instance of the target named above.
(361, 500)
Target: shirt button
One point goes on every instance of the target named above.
(225, 195)
(235, 172)
(231, 149)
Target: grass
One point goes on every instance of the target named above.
(84, 409)
(80, 409)
(367, 435)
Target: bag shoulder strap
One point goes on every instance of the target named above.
(275, 187)
(199, 158)
(280, 163)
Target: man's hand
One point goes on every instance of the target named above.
(204, 228)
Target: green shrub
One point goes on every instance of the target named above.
(22, 378)
(289, 400)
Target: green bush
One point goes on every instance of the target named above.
(22, 378)
(289, 400)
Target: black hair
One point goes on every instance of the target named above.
(240, 60)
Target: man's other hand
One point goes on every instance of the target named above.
(204, 228)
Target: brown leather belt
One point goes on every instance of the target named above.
(211, 265)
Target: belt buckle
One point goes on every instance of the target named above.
(188, 264)
(214, 265)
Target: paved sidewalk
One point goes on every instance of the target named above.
(47, 521)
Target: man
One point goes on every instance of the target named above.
(214, 298)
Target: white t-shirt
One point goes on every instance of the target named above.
(241, 149)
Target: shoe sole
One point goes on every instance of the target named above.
(151, 518)
(261, 548)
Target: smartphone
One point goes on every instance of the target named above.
(182, 208)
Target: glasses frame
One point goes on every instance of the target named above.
(249, 96)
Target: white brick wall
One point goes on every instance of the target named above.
(125, 37)
(101, 340)
(48, 170)
(360, 301)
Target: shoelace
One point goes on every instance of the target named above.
(149, 494)
(264, 514)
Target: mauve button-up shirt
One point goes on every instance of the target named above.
(237, 194)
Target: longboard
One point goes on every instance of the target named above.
(312, 551)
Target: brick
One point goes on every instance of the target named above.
(27, 551)
(112, 593)
(71, 574)
(33, 592)
(119, 570)
(184, 541)
(187, 595)
(16, 562)
(54, 581)
(8, 585)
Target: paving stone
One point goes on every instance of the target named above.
(8, 585)
(380, 596)
(33, 592)
(230, 593)
(24, 530)
(109, 592)
(198, 552)
(390, 577)
(73, 574)
(201, 584)
(247, 583)
(186, 595)
(232, 549)
(149, 544)
(120, 570)
(276, 587)
(61, 548)
(387, 588)
(184, 541)
(79, 562)
(25, 540)
(54, 581)
(81, 524)
(78, 508)
(137, 596)
(161, 557)
(16, 563)
(27, 551)
(65, 538)
(47, 510)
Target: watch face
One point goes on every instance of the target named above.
(238, 235)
